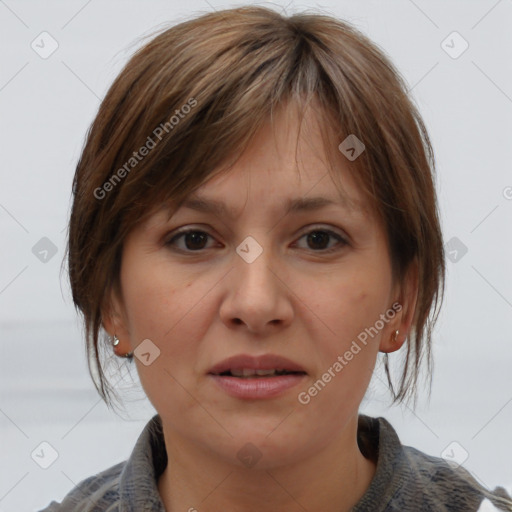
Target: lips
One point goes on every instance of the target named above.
(266, 377)
(246, 366)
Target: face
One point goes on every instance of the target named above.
(312, 286)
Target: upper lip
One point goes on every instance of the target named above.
(264, 362)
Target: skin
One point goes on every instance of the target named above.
(295, 300)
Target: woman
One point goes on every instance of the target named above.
(254, 221)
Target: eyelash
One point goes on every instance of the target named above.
(182, 233)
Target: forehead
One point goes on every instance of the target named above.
(289, 166)
(288, 159)
(301, 204)
(218, 202)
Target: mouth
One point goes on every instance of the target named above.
(246, 366)
(250, 373)
(249, 377)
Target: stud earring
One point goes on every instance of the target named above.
(115, 342)
(395, 336)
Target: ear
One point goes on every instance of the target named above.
(114, 321)
(406, 296)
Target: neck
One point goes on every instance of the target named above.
(332, 479)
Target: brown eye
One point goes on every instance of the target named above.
(194, 240)
(319, 239)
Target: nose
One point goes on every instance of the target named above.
(258, 298)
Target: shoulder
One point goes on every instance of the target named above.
(442, 485)
(97, 493)
(408, 479)
(132, 483)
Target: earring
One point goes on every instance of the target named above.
(115, 342)
(395, 336)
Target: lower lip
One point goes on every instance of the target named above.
(257, 387)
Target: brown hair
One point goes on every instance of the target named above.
(193, 97)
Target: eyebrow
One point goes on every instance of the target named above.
(295, 205)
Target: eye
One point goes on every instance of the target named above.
(318, 238)
(195, 240)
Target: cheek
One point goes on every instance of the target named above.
(345, 308)
(166, 306)
(345, 354)
(348, 304)
(149, 299)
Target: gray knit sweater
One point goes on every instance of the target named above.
(406, 480)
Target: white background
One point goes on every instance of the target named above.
(46, 108)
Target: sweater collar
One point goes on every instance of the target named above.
(376, 438)
(138, 485)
